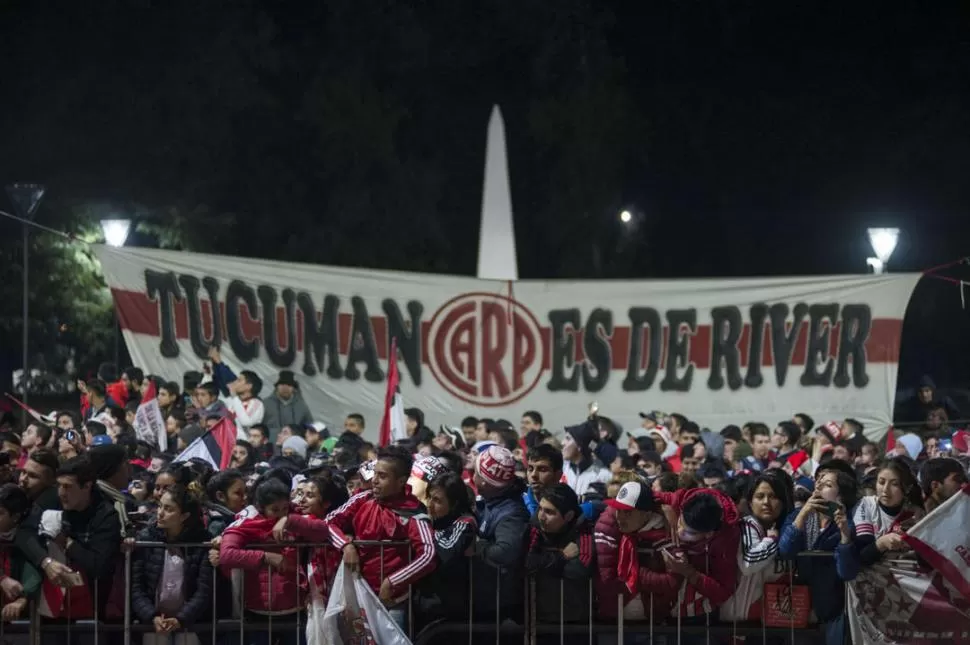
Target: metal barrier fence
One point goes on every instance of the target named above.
(101, 629)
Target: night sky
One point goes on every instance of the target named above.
(749, 138)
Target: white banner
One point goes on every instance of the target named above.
(740, 350)
(150, 426)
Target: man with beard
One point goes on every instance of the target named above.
(941, 479)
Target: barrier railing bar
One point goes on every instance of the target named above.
(218, 625)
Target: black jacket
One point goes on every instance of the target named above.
(28, 541)
(146, 576)
(96, 535)
(562, 586)
(220, 517)
(438, 593)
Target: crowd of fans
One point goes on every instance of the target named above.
(665, 522)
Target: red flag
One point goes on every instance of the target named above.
(215, 446)
(150, 392)
(392, 424)
(890, 441)
(29, 410)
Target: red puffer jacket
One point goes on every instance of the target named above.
(263, 590)
(715, 559)
(631, 564)
(402, 519)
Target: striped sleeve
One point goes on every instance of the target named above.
(340, 520)
(454, 542)
(583, 566)
(758, 551)
(864, 518)
(422, 542)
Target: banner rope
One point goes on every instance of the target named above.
(67, 236)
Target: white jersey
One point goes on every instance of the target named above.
(871, 521)
(758, 564)
(580, 481)
(247, 414)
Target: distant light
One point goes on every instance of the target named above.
(878, 266)
(883, 241)
(115, 231)
(626, 216)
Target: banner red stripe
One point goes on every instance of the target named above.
(140, 315)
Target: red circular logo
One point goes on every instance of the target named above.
(486, 349)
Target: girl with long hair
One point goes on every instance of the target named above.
(881, 519)
(172, 587)
(770, 499)
(823, 524)
(455, 529)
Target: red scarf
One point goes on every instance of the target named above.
(628, 566)
(628, 562)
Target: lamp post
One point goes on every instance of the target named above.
(116, 234)
(25, 198)
(883, 242)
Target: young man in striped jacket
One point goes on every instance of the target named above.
(708, 536)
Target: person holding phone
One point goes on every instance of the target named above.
(823, 524)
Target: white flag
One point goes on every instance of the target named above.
(356, 615)
(149, 424)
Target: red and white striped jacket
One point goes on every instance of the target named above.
(402, 519)
(715, 559)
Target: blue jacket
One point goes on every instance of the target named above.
(591, 510)
(503, 524)
(825, 576)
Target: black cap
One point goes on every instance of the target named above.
(583, 434)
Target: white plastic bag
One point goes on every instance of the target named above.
(356, 616)
(316, 613)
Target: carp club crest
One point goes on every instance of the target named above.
(486, 349)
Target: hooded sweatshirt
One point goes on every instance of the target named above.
(715, 559)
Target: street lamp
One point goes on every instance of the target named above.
(25, 198)
(883, 241)
(626, 217)
(115, 231)
(116, 234)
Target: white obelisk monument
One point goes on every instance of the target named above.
(496, 239)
